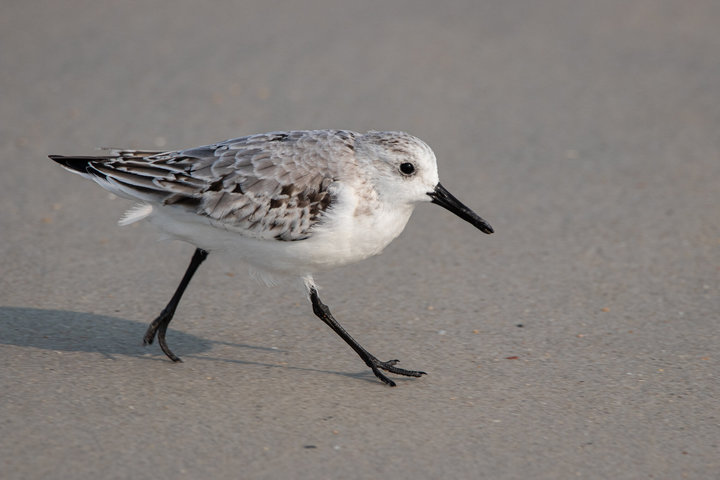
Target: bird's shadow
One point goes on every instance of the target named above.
(66, 331)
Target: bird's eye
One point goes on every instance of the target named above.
(407, 168)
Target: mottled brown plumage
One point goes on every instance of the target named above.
(266, 186)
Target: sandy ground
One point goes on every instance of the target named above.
(579, 341)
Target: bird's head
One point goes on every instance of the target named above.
(404, 169)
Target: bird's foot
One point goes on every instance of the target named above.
(389, 366)
(159, 327)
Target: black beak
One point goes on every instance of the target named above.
(442, 197)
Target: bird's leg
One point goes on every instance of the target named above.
(323, 312)
(160, 324)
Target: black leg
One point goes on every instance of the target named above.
(323, 312)
(160, 324)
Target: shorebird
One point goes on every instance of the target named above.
(290, 204)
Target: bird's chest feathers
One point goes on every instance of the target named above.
(364, 225)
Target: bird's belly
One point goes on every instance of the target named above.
(331, 245)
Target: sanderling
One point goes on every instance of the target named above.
(288, 203)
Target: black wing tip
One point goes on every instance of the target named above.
(79, 164)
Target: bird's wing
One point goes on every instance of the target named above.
(272, 185)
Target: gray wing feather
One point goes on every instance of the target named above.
(272, 185)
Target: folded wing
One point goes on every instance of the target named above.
(274, 185)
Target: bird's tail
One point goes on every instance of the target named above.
(100, 169)
(132, 174)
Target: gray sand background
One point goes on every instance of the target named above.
(587, 133)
